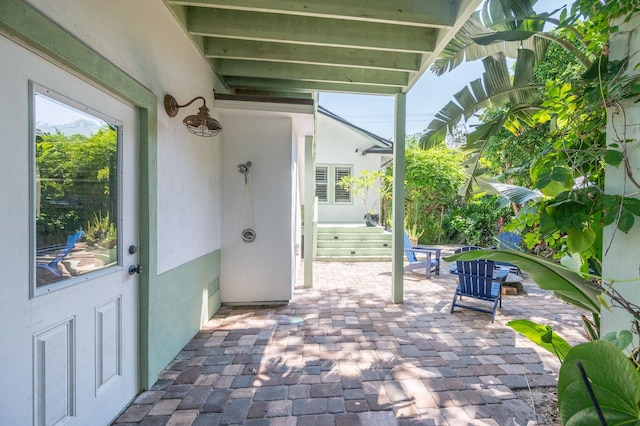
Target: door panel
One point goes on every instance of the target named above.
(53, 368)
(73, 354)
(108, 338)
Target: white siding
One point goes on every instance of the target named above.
(621, 260)
(340, 145)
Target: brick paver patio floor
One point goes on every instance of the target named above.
(343, 354)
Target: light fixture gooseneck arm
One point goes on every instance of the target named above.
(204, 102)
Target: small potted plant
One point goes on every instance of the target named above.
(360, 187)
(101, 231)
(412, 232)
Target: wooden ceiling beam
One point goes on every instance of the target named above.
(305, 54)
(311, 86)
(287, 71)
(309, 30)
(420, 13)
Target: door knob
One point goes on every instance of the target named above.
(135, 269)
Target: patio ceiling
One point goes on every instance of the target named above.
(283, 47)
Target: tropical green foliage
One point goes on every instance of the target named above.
(475, 222)
(495, 88)
(412, 230)
(76, 179)
(508, 156)
(543, 336)
(432, 181)
(613, 379)
(552, 139)
(567, 167)
(500, 27)
(368, 187)
(101, 229)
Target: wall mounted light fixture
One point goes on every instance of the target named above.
(201, 124)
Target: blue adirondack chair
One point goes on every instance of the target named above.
(454, 267)
(477, 280)
(59, 254)
(430, 262)
(509, 241)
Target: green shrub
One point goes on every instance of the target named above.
(476, 222)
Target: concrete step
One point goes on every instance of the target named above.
(352, 236)
(354, 259)
(352, 251)
(355, 243)
(352, 243)
(347, 229)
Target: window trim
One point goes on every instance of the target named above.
(331, 183)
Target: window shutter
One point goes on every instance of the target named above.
(322, 183)
(341, 194)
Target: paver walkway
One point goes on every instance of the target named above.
(343, 354)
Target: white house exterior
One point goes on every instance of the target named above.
(345, 149)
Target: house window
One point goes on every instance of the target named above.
(341, 194)
(328, 189)
(322, 184)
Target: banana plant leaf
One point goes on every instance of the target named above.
(514, 193)
(566, 284)
(614, 381)
(497, 16)
(496, 87)
(543, 336)
(485, 40)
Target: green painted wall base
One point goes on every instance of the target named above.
(181, 302)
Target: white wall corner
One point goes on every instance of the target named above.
(621, 257)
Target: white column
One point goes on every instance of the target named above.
(309, 198)
(621, 256)
(397, 273)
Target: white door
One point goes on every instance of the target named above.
(69, 333)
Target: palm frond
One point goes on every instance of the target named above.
(521, 26)
(476, 142)
(514, 193)
(495, 88)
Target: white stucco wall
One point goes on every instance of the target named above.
(621, 257)
(189, 173)
(337, 144)
(262, 270)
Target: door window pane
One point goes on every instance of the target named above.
(76, 190)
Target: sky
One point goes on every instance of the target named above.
(424, 100)
(52, 114)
